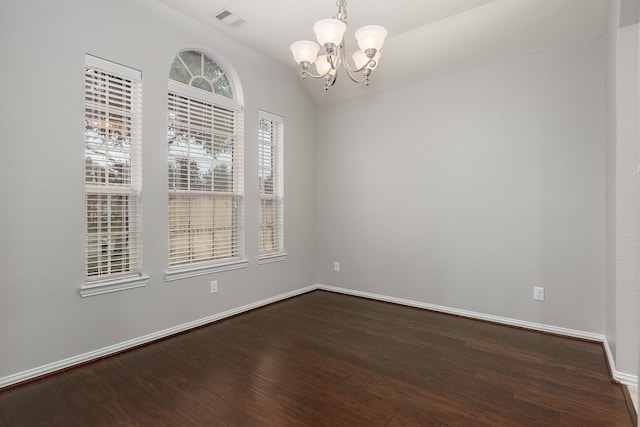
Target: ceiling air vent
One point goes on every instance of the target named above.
(229, 19)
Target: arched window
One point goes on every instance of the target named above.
(196, 69)
(205, 161)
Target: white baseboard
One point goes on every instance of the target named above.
(126, 345)
(622, 377)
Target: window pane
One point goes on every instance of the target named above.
(270, 178)
(204, 160)
(223, 87)
(108, 232)
(112, 101)
(178, 72)
(201, 83)
(211, 69)
(200, 72)
(193, 61)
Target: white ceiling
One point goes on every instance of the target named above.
(427, 38)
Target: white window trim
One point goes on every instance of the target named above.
(209, 267)
(108, 286)
(200, 270)
(269, 258)
(130, 280)
(200, 95)
(281, 255)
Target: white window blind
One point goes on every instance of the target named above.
(205, 154)
(271, 185)
(112, 170)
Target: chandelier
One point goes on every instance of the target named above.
(330, 35)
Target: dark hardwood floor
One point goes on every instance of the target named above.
(325, 359)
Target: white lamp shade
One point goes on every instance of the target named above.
(322, 65)
(371, 37)
(305, 50)
(360, 59)
(329, 31)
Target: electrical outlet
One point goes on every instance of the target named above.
(213, 286)
(538, 293)
(336, 266)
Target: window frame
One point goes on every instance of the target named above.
(131, 120)
(275, 168)
(178, 271)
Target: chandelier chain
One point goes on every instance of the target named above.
(342, 11)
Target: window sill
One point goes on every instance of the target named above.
(108, 286)
(267, 259)
(200, 270)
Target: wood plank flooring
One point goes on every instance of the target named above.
(325, 359)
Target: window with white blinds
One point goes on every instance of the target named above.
(205, 160)
(112, 176)
(271, 187)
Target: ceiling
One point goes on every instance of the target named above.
(427, 38)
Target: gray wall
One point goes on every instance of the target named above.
(629, 11)
(464, 191)
(42, 317)
(610, 296)
(623, 269)
(468, 190)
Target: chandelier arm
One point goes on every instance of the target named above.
(371, 64)
(330, 80)
(315, 76)
(351, 71)
(335, 63)
(355, 80)
(306, 71)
